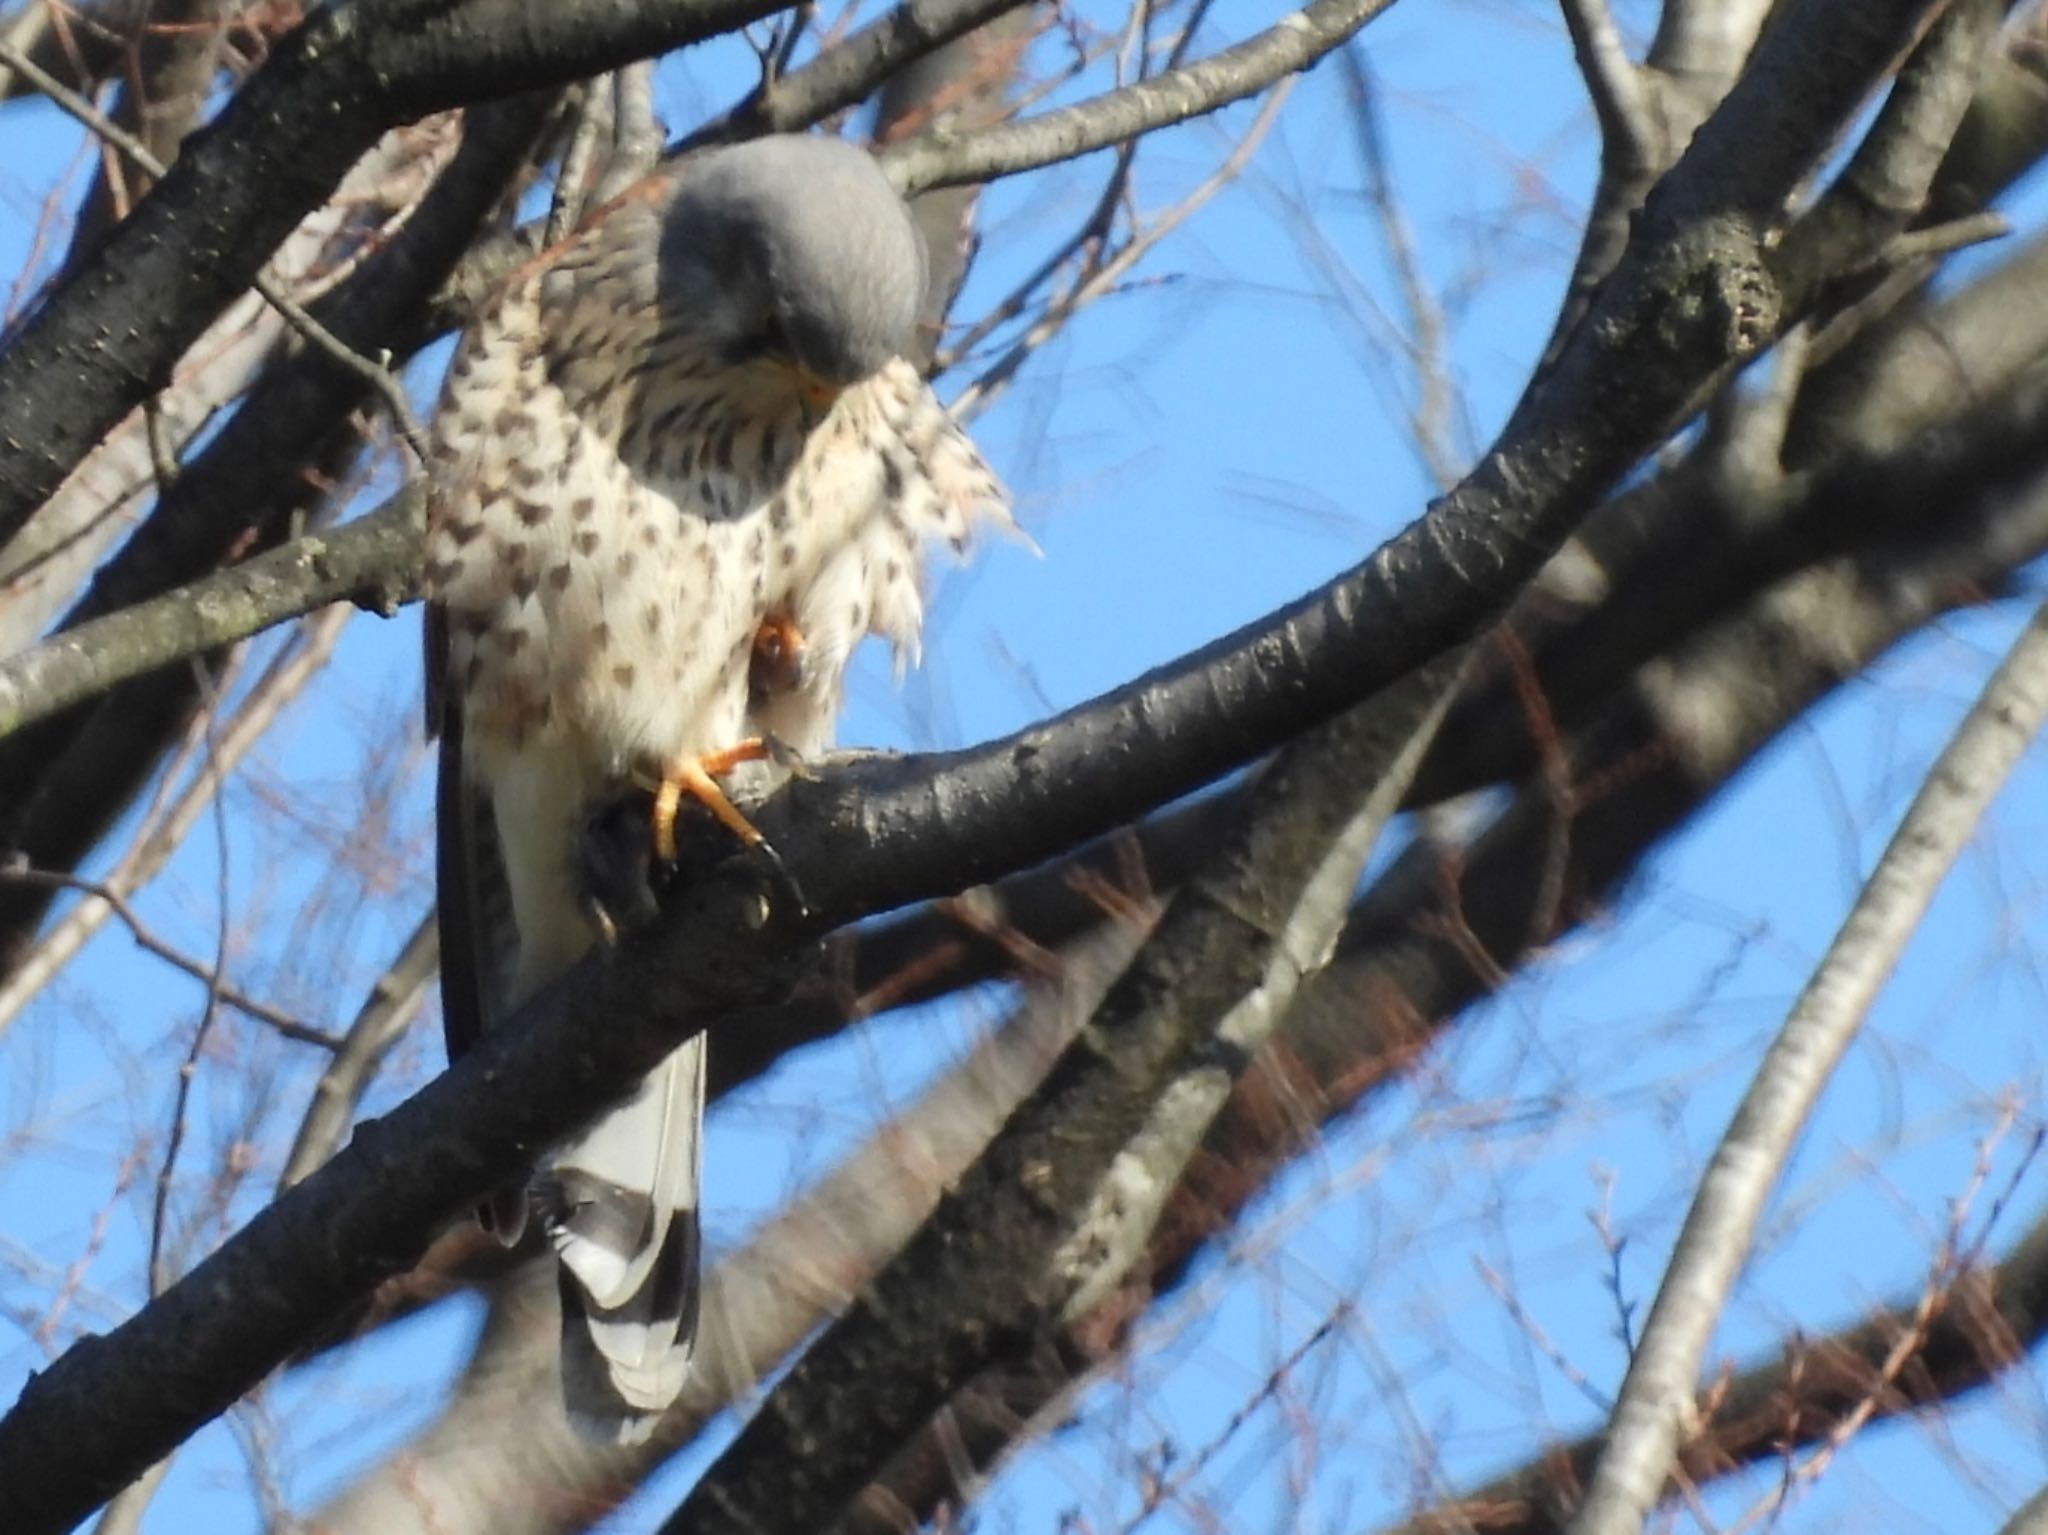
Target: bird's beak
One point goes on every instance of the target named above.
(819, 392)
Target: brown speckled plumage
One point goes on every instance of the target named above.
(626, 482)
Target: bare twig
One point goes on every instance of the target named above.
(162, 834)
(158, 1269)
(1102, 274)
(1166, 1489)
(1432, 414)
(207, 975)
(394, 1001)
(1295, 43)
(1941, 239)
(851, 70)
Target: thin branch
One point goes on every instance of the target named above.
(636, 146)
(1886, 183)
(1651, 1418)
(573, 178)
(1295, 43)
(165, 828)
(1945, 238)
(1432, 414)
(850, 71)
(146, 939)
(1628, 131)
(88, 42)
(158, 1268)
(1102, 273)
(372, 561)
(394, 1001)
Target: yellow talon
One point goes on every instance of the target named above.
(698, 777)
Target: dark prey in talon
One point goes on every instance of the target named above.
(777, 664)
(689, 425)
(615, 862)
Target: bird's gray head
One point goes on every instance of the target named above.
(794, 250)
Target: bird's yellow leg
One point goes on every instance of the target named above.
(698, 777)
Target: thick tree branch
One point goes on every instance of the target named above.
(1788, 108)
(1969, 508)
(1730, 539)
(1658, 744)
(1693, 60)
(1886, 183)
(1066, 1196)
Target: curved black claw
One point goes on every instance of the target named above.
(786, 890)
(615, 864)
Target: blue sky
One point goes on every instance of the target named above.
(1227, 431)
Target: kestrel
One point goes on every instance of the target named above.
(680, 468)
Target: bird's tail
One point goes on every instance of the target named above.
(621, 1206)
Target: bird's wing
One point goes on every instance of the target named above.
(479, 944)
